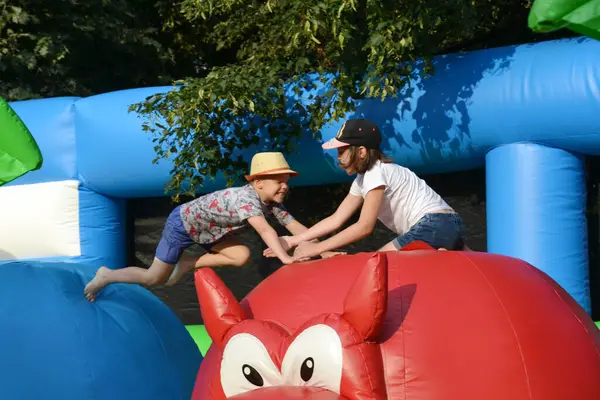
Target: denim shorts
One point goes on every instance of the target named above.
(437, 230)
(175, 240)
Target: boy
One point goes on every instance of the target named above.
(212, 221)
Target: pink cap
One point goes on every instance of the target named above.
(333, 144)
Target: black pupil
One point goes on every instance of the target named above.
(252, 375)
(307, 369)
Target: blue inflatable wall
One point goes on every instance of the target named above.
(546, 93)
(539, 192)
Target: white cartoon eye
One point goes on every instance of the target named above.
(246, 365)
(314, 359)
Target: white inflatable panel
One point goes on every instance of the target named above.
(39, 220)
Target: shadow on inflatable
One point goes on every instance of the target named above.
(417, 323)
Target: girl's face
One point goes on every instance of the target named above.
(346, 161)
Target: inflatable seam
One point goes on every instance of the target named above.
(162, 346)
(83, 346)
(510, 322)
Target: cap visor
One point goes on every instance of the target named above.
(333, 144)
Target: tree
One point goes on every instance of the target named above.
(70, 48)
(358, 48)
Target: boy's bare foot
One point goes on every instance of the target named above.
(96, 284)
(181, 268)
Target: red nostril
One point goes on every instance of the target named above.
(289, 393)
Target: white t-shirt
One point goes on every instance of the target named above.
(407, 198)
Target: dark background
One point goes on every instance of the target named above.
(464, 191)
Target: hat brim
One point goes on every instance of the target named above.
(334, 144)
(268, 173)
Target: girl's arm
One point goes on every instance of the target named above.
(324, 227)
(297, 228)
(359, 230)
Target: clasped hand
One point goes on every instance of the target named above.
(304, 250)
(286, 242)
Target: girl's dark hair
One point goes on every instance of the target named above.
(362, 166)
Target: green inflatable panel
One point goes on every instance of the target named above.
(19, 153)
(581, 16)
(200, 336)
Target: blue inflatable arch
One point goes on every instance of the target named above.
(528, 113)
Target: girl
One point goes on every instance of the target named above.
(381, 190)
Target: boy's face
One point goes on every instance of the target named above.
(272, 188)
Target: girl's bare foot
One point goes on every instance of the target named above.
(96, 284)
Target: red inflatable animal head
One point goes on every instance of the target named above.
(330, 354)
(411, 324)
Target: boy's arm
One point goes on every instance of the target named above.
(290, 223)
(359, 230)
(270, 237)
(295, 227)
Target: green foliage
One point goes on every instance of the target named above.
(66, 47)
(359, 47)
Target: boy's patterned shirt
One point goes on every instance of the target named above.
(212, 216)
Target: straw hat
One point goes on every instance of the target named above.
(269, 163)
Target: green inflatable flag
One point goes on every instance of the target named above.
(581, 16)
(19, 153)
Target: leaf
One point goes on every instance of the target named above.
(376, 39)
(339, 12)
(234, 100)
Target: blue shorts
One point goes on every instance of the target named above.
(437, 230)
(175, 239)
